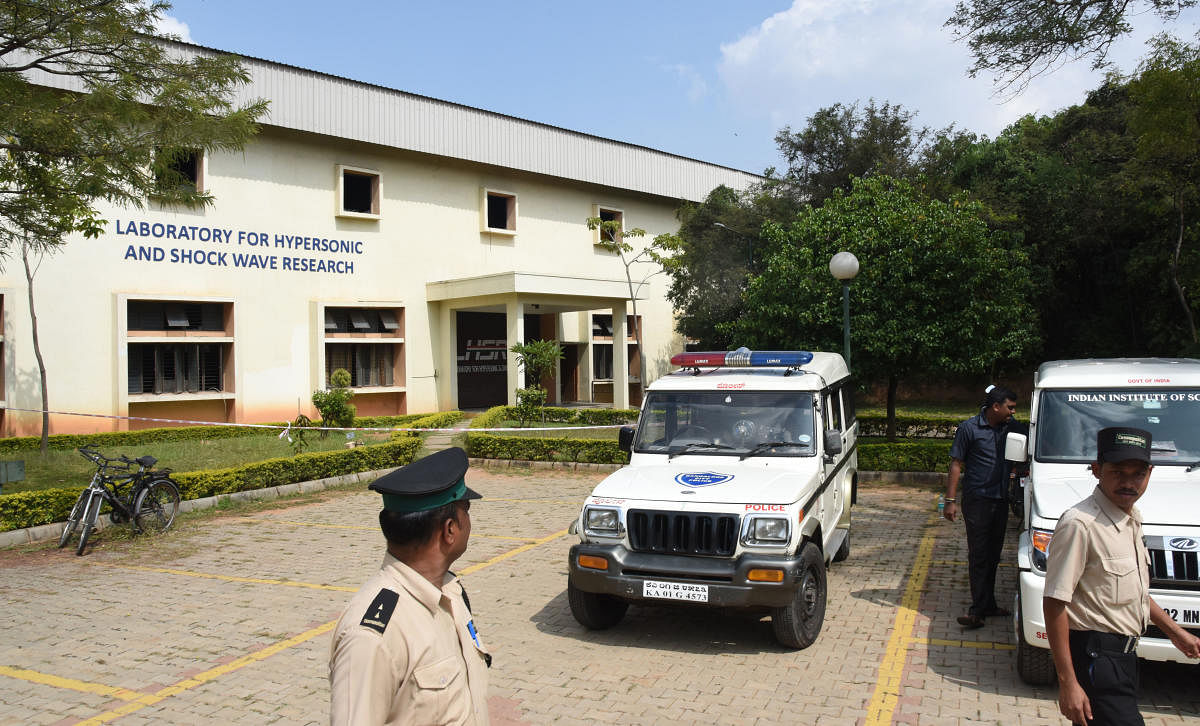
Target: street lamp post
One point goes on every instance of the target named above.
(743, 235)
(844, 266)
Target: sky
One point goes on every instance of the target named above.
(706, 79)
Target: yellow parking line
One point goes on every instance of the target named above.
(201, 678)
(227, 578)
(513, 553)
(980, 644)
(140, 701)
(891, 670)
(70, 684)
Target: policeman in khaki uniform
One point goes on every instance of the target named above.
(406, 650)
(1096, 599)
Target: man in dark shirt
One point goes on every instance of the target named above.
(977, 461)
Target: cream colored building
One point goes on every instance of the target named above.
(406, 239)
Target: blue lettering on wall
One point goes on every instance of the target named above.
(150, 231)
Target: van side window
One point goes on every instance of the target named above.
(848, 411)
(834, 406)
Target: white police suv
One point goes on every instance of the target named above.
(743, 469)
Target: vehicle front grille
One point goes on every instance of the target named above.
(1173, 569)
(682, 533)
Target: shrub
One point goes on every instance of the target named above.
(429, 421)
(334, 404)
(916, 456)
(527, 448)
(529, 404)
(29, 509)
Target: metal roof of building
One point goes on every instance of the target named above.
(320, 103)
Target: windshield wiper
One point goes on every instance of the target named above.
(1192, 468)
(763, 446)
(672, 453)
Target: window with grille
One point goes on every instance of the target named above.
(176, 367)
(369, 364)
(361, 320)
(171, 315)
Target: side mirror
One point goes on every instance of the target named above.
(625, 439)
(1014, 447)
(833, 442)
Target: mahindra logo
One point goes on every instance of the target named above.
(1183, 543)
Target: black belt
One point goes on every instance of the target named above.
(1110, 642)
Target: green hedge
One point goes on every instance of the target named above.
(528, 448)
(442, 420)
(18, 444)
(29, 509)
(579, 416)
(916, 456)
(921, 456)
(911, 427)
(490, 418)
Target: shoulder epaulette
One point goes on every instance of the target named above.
(380, 610)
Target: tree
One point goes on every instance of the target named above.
(841, 142)
(938, 290)
(537, 359)
(1018, 40)
(720, 244)
(142, 105)
(614, 238)
(712, 263)
(1165, 95)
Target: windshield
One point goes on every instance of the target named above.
(727, 423)
(1068, 422)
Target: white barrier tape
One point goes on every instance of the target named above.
(285, 428)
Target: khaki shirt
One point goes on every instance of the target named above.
(404, 652)
(1098, 565)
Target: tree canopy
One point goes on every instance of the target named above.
(1017, 40)
(138, 102)
(937, 291)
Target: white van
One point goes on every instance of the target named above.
(1072, 400)
(742, 472)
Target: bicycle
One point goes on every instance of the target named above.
(149, 504)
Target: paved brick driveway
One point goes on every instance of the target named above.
(227, 621)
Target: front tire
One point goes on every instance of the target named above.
(593, 610)
(798, 624)
(1034, 665)
(91, 512)
(155, 508)
(73, 518)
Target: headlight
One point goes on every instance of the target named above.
(1041, 542)
(766, 531)
(603, 522)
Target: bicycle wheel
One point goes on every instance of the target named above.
(155, 507)
(91, 513)
(73, 518)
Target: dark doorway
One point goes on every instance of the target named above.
(482, 360)
(570, 373)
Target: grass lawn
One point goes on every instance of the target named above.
(66, 468)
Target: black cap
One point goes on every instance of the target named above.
(1121, 443)
(426, 483)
